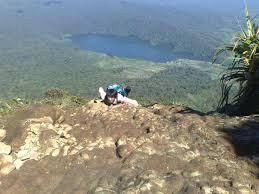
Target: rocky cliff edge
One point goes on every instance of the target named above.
(122, 149)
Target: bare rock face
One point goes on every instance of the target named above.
(5, 149)
(123, 149)
(7, 168)
(2, 134)
(6, 164)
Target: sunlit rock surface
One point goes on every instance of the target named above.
(123, 149)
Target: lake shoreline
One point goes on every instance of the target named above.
(130, 47)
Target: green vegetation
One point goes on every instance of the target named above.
(243, 71)
(61, 98)
(53, 96)
(36, 56)
(189, 33)
(187, 82)
(9, 105)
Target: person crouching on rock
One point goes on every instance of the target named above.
(116, 94)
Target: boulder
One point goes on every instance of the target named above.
(24, 154)
(18, 163)
(5, 149)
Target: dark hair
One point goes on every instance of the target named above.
(109, 93)
(106, 101)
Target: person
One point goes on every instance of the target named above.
(116, 94)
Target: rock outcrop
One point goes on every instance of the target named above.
(123, 149)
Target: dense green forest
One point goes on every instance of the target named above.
(35, 54)
(187, 82)
(196, 86)
(193, 33)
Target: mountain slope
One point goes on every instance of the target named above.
(122, 149)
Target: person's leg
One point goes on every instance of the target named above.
(102, 93)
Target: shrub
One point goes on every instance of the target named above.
(55, 93)
(242, 72)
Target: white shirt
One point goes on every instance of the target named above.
(120, 98)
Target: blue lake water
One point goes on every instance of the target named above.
(129, 47)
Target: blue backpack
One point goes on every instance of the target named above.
(114, 89)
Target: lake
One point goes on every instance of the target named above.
(129, 47)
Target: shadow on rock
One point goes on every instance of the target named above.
(245, 139)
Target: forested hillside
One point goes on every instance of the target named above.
(35, 54)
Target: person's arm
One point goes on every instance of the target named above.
(102, 93)
(127, 100)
